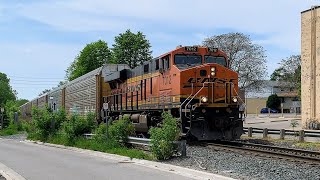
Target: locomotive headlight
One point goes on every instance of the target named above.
(213, 71)
(235, 99)
(204, 99)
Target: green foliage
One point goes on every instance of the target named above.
(132, 49)
(70, 132)
(20, 102)
(273, 101)
(11, 107)
(294, 123)
(162, 137)
(101, 133)
(76, 126)
(120, 130)
(93, 56)
(11, 130)
(289, 71)
(27, 126)
(6, 92)
(104, 146)
(45, 123)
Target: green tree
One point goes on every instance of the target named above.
(6, 92)
(21, 102)
(132, 49)
(273, 101)
(245, 57)
(93, 56)
(289, 71)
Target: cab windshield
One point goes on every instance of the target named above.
(215, 59)
(187, 60)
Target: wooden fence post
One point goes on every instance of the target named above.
(250, 132)
(282, 133)
(265, 133)
(301, 136)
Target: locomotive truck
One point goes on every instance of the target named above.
(195, 84)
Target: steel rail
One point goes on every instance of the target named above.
(297, 154)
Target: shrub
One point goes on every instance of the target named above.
(101, 133)
(59, 118)
(163, 136)
(76, 126)
(42, 121)
(45, 123)
(10, 130)
(120, 130)
(273, 101)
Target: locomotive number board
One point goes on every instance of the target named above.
(211, 49)
(191, 48)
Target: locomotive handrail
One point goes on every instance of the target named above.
(183, 104)
(185, 113)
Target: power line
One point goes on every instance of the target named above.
(42, 84)
(20, 80)
(28, 77)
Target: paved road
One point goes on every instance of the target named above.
(272, 122)
(41, 162)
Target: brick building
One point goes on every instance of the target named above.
(310, 67)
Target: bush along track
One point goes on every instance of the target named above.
(59, 128)
(13, 128)
(163, 136)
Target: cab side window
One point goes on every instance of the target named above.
(166, 64)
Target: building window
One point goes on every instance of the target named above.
(146, 68)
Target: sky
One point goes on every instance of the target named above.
(40, 38)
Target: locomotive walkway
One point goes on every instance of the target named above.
(35, 162)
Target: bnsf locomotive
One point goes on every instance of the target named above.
(193, 83)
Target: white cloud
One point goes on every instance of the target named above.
(279, 18)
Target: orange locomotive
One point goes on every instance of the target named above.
(193, 83)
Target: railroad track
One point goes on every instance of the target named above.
(294, 155)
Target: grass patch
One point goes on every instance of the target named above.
(10, 130)
(313, 145)
(101, 146)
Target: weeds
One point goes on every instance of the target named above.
(163, 136)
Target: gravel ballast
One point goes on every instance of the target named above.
(241, 166)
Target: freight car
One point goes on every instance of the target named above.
(195, 84)
(82, 95)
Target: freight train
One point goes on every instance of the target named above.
(193, 83)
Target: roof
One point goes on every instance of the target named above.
(287, 94)
(269, 83)
(313, 7)
(85, 76)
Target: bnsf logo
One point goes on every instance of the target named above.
(202, 80)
